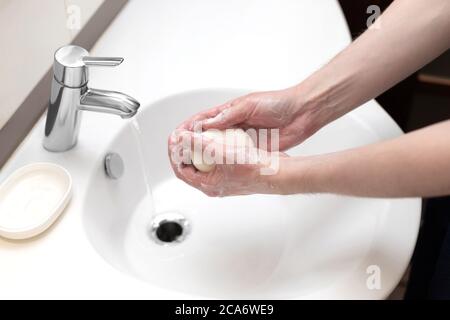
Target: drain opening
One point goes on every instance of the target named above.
(169, 228)
(169, 231)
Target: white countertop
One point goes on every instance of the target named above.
(205, 44)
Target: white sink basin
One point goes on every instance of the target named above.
(305, 246)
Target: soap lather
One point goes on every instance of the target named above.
(231, 137)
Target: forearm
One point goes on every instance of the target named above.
(411, 33)
(413, 165)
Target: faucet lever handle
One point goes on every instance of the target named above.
(102, 61)
(70, 67)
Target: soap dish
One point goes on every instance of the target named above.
(32, 198)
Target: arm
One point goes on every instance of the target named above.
(413, 165)
(411, 33)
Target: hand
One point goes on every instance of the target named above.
(249, 177)
(283, 110)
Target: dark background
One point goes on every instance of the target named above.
(418, 101)
(421, 99)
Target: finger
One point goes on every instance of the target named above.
(199, 117)
(228, 117)
(180, 148)
(193, 140)
(212, 151)
(192, 176)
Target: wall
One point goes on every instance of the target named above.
(30, 31)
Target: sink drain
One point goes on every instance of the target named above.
(169, 228)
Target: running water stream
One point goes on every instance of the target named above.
(148, 199)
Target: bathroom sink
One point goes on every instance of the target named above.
(259, 246)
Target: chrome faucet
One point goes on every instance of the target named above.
(70, 95)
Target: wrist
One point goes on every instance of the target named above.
(297, 175)
(327, 94)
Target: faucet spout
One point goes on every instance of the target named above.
(109, 102)
(70, 95)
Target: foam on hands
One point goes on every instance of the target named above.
(230, 137)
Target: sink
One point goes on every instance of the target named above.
(259, 246)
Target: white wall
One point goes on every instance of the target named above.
(30, 31)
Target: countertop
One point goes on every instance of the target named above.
(169, 46)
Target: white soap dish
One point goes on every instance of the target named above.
(32, 198)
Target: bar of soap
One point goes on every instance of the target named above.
(232, 137)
